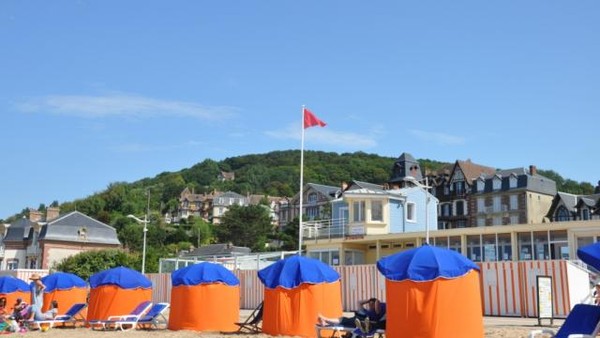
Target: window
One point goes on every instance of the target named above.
(514, 219)
(353, 257)
(327, 256)
(480, 185)
(312, 212)
(585, 214)
(411, 212)
(562, 214)
(540, 241)
(559, 245)
(312, 197)
(497, 205)
(514, 202)
(496, 183)
(480, 221)
(497, 220)
(460, 208)
(377, 211)
(490, 252)
(12, 264)
(480, 205)
(504, 247)
(358, 211)
(459, 187)
(525, 249)
(474, 248)
(512, 182)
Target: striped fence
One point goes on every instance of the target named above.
(507, 288)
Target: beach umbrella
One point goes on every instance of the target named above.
(297, 290)
(12, 288)
(590, 255)
(65, 288)
(117, 291)
(204, 297)
(425, 287)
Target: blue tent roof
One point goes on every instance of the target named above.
(62, 281)
(10, 284)
(120, 276)
(295, 270)
(203, 273)
(590, 255)
(424, 264)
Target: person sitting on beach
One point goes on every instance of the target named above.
(371, 309)
(52, 312)
(20, 309)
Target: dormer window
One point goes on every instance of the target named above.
(312, 197)
(480, 185)
(82, 234)
(496, 183)
(512, 181)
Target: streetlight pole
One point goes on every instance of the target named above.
(145, 222)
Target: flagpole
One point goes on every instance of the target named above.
(301, 185)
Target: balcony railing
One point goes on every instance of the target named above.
(2, 251)
(330, 228)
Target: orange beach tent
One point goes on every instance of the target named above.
(432, 292)
(204, 297)
(297, 290)
(66, 288)
(116, 292)
(12, 288)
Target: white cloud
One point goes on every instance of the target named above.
(439, 138)
(325, 136)
(122, 105)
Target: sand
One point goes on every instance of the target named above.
(501, 330)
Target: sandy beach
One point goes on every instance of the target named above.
(495, 327)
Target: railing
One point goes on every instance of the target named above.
(2, 251)
(329, 228)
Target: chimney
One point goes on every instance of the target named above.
(52, 213)
(532, 170)
(34, 215)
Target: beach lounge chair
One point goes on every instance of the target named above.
(252, 323)
(155, 317)
(339, 331)
(583, 321)
(122, 322)
(72, 316)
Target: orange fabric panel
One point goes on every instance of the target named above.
(111, 300)
(294, 312)
(205, 307)
(11, 299)
(65, 299)
(440, 308)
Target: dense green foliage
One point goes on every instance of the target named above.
(275, 174)
(88, 263)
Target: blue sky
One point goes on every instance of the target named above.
(95, 92)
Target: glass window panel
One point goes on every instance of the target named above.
(455, 243)
(441, 242)
(525, 249)
(474, 248)
(489, 248)
(504, 247)
(540, 242)
(377, 211)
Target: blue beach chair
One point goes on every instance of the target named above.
(582, 322)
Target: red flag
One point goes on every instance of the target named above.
(310, 120)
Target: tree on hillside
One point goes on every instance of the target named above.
(248, 226)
